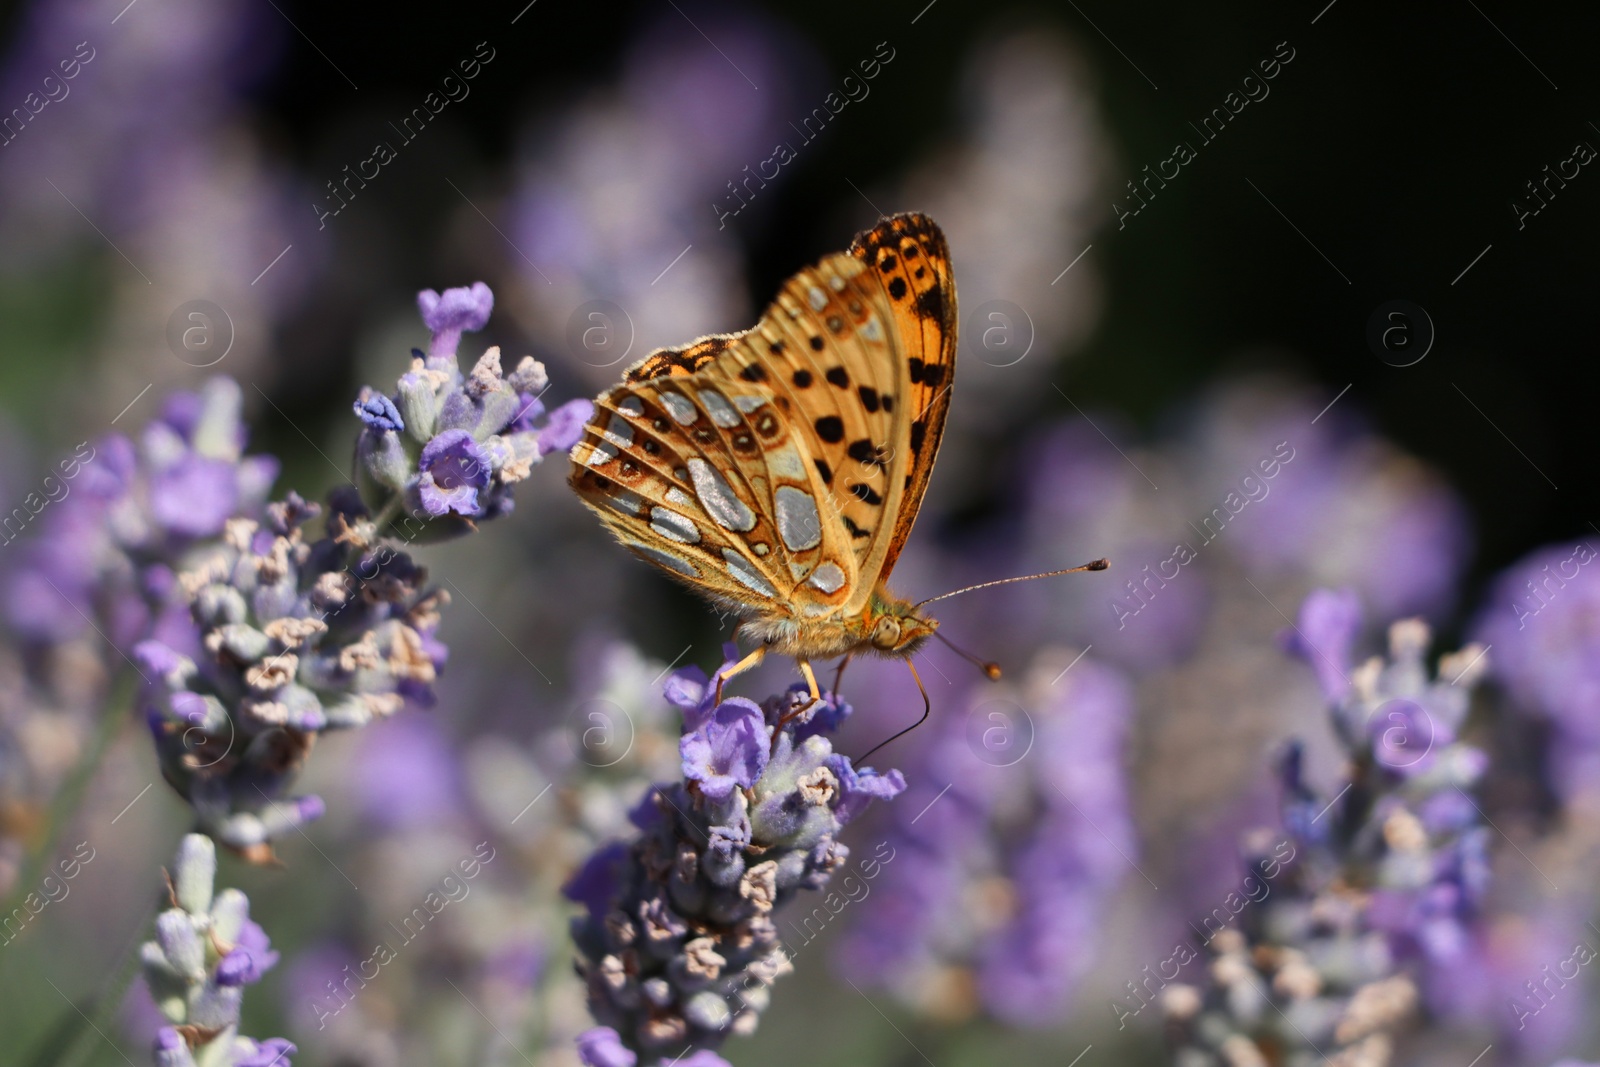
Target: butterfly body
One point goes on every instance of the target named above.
(778, 471)
(888, 626)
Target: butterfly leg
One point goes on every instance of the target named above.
(756, 655)
(811, 680)
(838, 675)
(794, 713)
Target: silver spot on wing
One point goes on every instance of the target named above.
(718, 499)
(675, 527)
(747, 575)
(666, 559)
(679, 407)
(623, 502)
(619, 432)
(798, 522)
(828, 578)
(721, 411)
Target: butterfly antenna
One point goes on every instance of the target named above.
(1096, 565)
(927, 707)
(990, 669)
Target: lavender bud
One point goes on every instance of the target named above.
(181, 943)
(193, 872)
(383, 457)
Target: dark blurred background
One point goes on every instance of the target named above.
(1396, 142)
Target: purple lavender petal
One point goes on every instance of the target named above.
(728, 751)
(595, 884)
(195, 496)
(602, 1047)
(449, 314)
(406, 775)
(1328, 625)
(379, 413)
(454, 468)
(565, 426)
(273, 1052)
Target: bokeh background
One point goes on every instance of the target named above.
(1119, 372)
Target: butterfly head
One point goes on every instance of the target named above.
(895, 628)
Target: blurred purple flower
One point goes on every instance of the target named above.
(1542, 617)
(1356, 967)
(1329, 624)
(565, 427)
(273, 1052)
(250, 958)
(602, 1047)
(1045, 814)
(107, 554)
(406, 774)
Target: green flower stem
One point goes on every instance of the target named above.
(64, 806)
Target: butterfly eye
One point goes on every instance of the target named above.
(886, 634)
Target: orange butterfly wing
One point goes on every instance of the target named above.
(763, 468)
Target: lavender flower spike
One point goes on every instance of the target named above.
(294, 638)
(446, 448)
(1318, 971)
(205, 951)
(679, 946)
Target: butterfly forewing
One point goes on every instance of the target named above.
(912, 263)
(779, 470)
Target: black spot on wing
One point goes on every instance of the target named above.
(897, 288)
(816, 344)
(824, 470)
(830, 429)
(865, 452)
(869, 398)
(930, 305)
(753, 372)
(838, 377)
(855, 531)
(865, 494)
(919, 431)
(802, 379)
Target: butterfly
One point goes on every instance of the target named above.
(779, 471)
